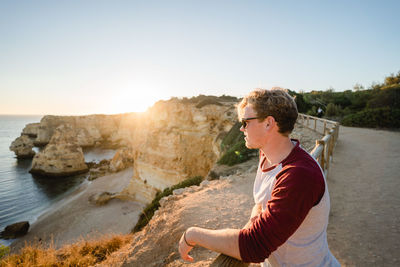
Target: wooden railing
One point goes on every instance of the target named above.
(323, 150)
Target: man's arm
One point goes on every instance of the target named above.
(225, 241)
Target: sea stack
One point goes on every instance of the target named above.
(62, 155)
(22, 147)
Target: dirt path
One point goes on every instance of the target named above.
(364, 184)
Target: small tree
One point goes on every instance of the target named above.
(312, 111)
(393, 79)
(332, 110)
(358, 87)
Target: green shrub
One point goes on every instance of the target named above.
(234, 147)
(372, 118)
(387, 96)
(332, 110)
(237, 154)
(312, 111)
(232, 137)
(209, 101)
(346, 111)
(149, 210)
(4, 250)
(302, 105)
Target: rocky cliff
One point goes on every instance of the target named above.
(91, 130)
(22, 147)
(87, 131)
(62, 156)
(175, 140)
(172, 141)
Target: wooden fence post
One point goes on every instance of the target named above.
(322, 161)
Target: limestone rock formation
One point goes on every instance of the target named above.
(91, 130)
(22, 147)
(101, 198)
(122, 159)
(87, 133)
(114, 131)
(176, 141)
(31, 130)
(62, 156)
(15, 230)
(98, 169)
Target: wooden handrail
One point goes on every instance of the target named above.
(323, 150)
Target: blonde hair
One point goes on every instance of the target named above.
(275, 102)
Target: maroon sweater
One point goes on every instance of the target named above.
(299, 186)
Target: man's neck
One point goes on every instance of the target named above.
(277, 150)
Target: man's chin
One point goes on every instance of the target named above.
(249, 146)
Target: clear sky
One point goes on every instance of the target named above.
(85, 57)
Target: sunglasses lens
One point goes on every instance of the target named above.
(244, 124)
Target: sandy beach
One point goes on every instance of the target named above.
(74, 217)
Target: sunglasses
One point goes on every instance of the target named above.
(245, 122)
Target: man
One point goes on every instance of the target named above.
(319, 112)
(289, 220)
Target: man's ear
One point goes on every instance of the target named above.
(270, 121)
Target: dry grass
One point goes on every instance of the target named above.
(81, 253)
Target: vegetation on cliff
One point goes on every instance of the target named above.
(377, 106)
(4, 250)
(209, 98)
(149, 210)
(234, 148)
(82, 253)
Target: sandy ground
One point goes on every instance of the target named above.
(75, 217)
(364, 184)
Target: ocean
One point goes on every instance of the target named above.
(24, 197)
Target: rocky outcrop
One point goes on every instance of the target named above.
(97, 170)
(100, 199)
(15, 230)
(175, 141)
(91, 130)
(122, 159)
(31, 130)
(87, 128)
(22, 147)
(62, 156)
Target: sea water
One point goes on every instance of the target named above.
(24, 197)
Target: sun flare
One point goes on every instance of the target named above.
(133, 100)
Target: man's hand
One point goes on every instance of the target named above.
(225, 241)
(255, 212)
(184, 249)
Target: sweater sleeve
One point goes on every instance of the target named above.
(295, 192)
